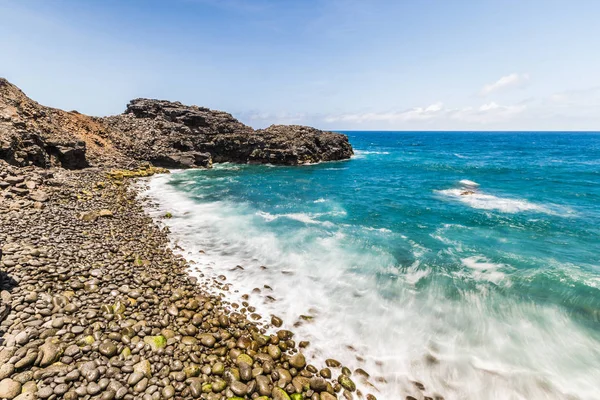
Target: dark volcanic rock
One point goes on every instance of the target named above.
(165, 133)
(160, 130)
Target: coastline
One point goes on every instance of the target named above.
(100, 306)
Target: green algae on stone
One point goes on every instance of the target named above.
(279, 394)
(346, 383)
(156, 342)
(126, 353)
(192, 371)
(219, 385)
(244, 358)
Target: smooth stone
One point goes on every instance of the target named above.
(318, 384)
(134, 378)
(207, 340)
(274, 351)
(263, 384)
(238, 388)
(6, 370)
(326, 396)
(108, 348)
(26, 396)
(93, 388)
(346, 383)
(144, 367)
(168, 392)
(196, 387)
(9, 389)
(218, 368)
(141, 386)
(279, 394)
(298, 361)
(61, 389)
(218, 385)
(45, 392)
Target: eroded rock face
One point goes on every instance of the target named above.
(32, 134)
(166, 132)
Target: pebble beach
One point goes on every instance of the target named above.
(96, 305)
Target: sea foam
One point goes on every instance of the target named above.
(459, 348)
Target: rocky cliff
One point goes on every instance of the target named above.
(32, 134)
(164, 133)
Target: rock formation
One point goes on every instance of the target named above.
(165, 133)
(32, 134)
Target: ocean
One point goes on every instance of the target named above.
(466, 261)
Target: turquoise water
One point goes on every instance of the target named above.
(467, 261)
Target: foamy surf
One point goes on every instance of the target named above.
(400, 329)
(473, 197)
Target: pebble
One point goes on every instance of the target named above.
(9, 389)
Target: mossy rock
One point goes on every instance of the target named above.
(244, 358)
(169, 215)
(87, 341)
(192, 371)
(297, 396)
(156, 342)
(219, 385)
(144, 367)
(279, 394)
(346, 383)
(206, 388)
(118, 308)
(126, 353)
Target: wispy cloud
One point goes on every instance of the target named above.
(484, 114)
(576, 96)
(508, 81)
(488, 113)
(413, 114)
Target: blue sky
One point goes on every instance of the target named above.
(334, 64)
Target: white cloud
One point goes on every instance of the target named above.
(487, 113)
(512, 80)
(484, 114)
(414, 114)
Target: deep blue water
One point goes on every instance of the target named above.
(469, 261)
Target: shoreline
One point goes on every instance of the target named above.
(74, 330)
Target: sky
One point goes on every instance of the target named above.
(332, 64)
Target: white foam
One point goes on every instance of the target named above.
(476, 346)
(485, 201)
(468, 183)
(307, 218)
(484, 270)
(370, 152)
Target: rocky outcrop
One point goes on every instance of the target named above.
(170, 133)
(32, 134)
(167, 134)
